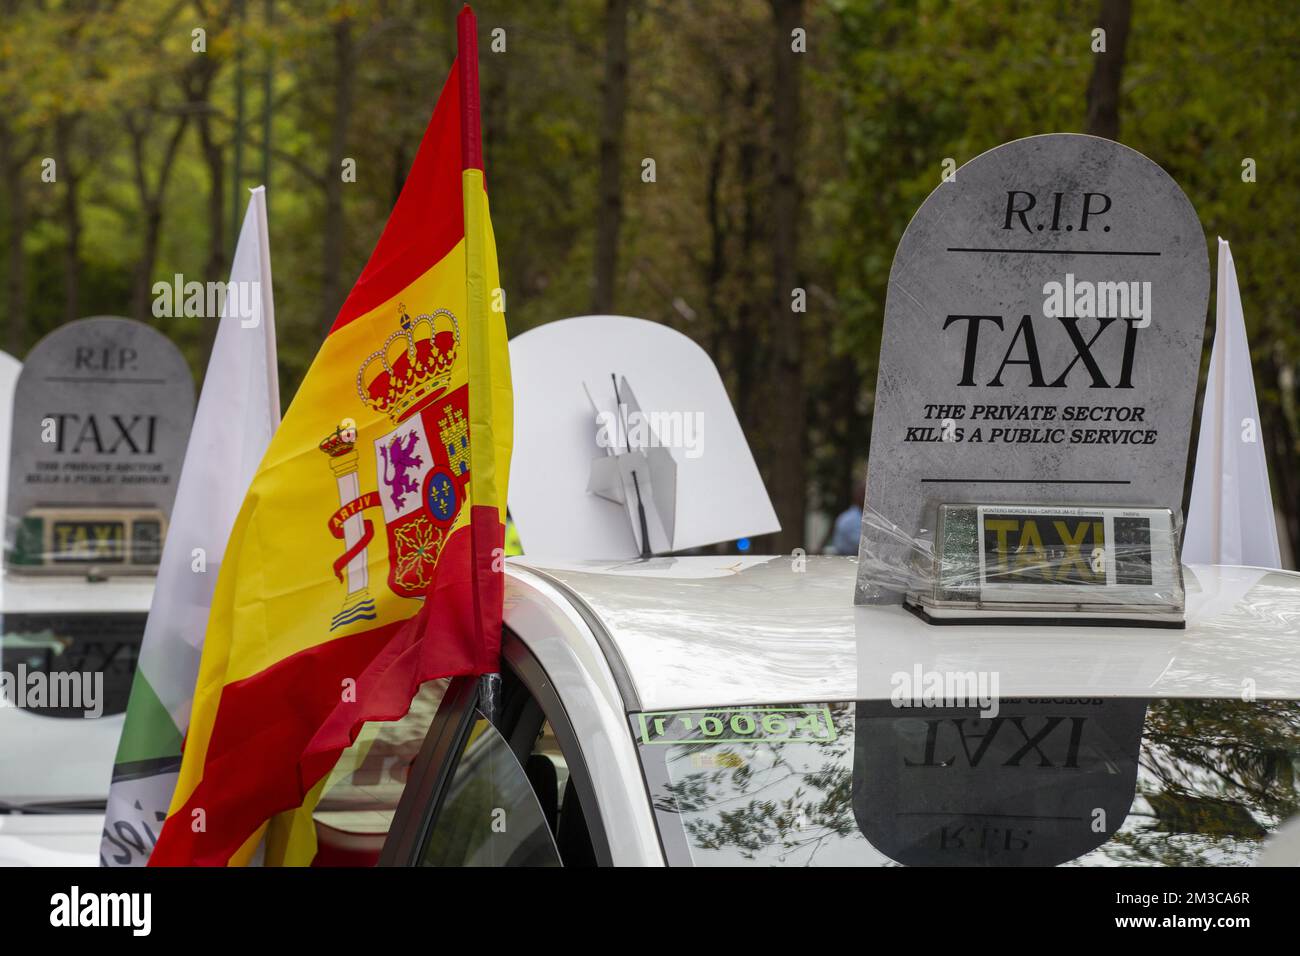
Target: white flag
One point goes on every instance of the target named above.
(238, 411)
(1231, 519)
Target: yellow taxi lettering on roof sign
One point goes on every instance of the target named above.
(1044, 549)
(89, 540)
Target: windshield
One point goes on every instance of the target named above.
(69, 665)
(1025, 782)
(64, 682)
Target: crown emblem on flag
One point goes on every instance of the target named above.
(414, 364)
(341, 441)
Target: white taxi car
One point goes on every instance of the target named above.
(728, 711)
(56, 755)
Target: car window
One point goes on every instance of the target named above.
(360, 797)
(490, 815)
(1032, 782)
(492, 811)
(548, 773)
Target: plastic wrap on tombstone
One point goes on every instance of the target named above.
(981, 561)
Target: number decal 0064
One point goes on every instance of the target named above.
(736, 725)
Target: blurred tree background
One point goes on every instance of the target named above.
(774, 170)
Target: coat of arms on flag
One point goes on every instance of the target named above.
(421, 465)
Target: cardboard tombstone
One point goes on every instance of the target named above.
(626, 444)
(9, 369)
(101, 417)
(1041, 344)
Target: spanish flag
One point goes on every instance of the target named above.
(367, 556)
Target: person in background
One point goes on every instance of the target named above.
(848, 524)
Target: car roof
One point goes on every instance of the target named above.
(74, 594)
(728, 630)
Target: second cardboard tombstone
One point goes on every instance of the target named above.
(101, 418)
(1041, 343)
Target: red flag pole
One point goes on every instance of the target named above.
(471, 153)
(471, 136)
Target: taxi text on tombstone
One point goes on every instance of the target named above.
(101, 418)
(1041, 341)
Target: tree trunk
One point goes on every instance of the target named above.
(64, 130)
(716, 268)
(197, 88)
(784, 387)
(1108, 69)
(401, 165)
(332, 257)
(1281, 439)
(214, 158)
(747, 340)
(142, 300)
(609, 213)
(152, 200)
(216, 268)
(13, 162)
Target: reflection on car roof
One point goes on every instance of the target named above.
(726, 630)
